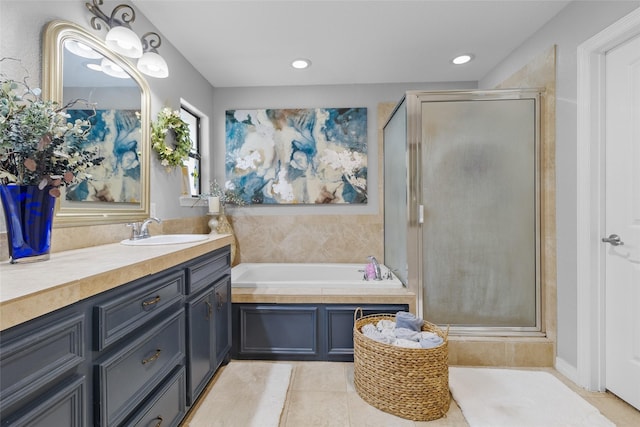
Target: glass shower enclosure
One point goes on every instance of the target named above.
(462, 207)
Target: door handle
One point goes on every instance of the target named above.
(614, 239)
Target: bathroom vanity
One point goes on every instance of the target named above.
(138, 339)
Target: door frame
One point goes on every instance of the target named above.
(590, 214)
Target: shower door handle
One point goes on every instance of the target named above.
(614, 239)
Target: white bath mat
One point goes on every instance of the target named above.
(247, 394)
(507, 397)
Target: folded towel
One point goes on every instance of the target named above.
(408, 320)
(406, 343)
(407, 334)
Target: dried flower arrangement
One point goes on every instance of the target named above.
(38, 146)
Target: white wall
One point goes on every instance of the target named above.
(21, 25)
(579, 21)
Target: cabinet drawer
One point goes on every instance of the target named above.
(62, 406)
(129, 375)
(120, 316)
(206, 270)
(35, 356)
(167, 406)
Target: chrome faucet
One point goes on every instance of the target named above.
(376, 265)
(144, 228)
(141, 230)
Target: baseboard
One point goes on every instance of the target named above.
(568, 370)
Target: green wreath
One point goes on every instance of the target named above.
(170, 121)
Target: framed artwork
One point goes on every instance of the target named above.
(116, 133)
(297, 156)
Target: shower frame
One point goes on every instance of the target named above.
(412, 272)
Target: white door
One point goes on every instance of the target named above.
(622, 217)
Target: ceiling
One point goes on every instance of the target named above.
(252, 43)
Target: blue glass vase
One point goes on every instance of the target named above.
(28, 213)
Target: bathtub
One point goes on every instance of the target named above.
(291, 275)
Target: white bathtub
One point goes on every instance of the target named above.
(288, 275)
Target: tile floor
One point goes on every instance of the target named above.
(322, 394)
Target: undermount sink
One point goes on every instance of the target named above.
(166, 239)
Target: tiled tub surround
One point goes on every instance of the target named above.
(31, 290)
(291, 295)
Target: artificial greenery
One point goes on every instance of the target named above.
(170, 122)
(38, 146)
(228, 196)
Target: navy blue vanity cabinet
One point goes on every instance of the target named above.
(167, 407)
(42, 377)
(208, 319)
(222, 319)
(139, 339)
(201, 339)
(136, 355)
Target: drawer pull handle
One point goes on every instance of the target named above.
(159, 418)
(209, 310)
(151, 301)
(152, 358)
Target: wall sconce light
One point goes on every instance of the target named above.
(120, 38)
(123, 40)
(151, 63)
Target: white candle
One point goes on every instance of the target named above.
(214, 205)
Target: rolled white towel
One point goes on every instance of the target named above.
(385, 324)
(406, 343)
(389, 334)
(429, 335)
(370, 331)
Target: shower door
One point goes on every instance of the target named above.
(477, 197)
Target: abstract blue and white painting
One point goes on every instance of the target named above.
(116, 133)
(297, 156)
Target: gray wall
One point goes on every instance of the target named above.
(576, 23)
(21, 25)
(369, 96)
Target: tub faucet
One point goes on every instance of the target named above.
(376, 265)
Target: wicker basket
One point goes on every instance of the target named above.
(407, 382)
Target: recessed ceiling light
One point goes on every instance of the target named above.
(301, 63)
(462, 59)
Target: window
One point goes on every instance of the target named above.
(193, 162)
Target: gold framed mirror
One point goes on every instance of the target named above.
(116, 99)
